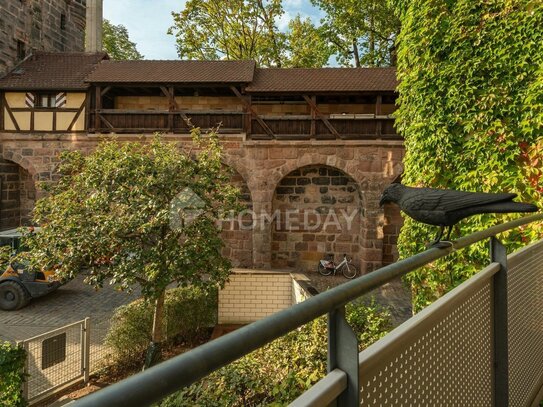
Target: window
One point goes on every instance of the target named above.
(46, 100)
(21, 50)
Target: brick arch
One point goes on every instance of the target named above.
(236, 232)
(21, 161)
(317, 209)
(17, 193)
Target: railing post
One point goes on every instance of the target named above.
(343, 355)
(498, 254)
(85, 349)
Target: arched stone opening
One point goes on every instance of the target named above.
(317, 209)
(17, 195)
(237, 230)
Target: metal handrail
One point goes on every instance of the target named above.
(159, 381)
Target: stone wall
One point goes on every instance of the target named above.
(371, 165)
(17, 195)
(317, 210)
(44, 25)
(393, 222)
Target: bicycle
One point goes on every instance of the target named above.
(327, 266)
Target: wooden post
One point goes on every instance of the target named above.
(379, 125)
(313, 131)
(87, 102)
(97, 107)
(248, 116)
(2, 111)
(171, 107)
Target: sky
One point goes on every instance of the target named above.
(147, 22)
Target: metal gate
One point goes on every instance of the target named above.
(56, 359)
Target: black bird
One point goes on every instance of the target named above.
(446, 207)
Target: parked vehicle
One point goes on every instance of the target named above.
(327, 266)
(18, 284)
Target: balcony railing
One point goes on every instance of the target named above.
(480, 344)
(292, 127)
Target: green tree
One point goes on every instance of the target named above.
(471, 113)
(362, 33)
(237, 29)
(307, 44)
(117, 42)
(122, 213)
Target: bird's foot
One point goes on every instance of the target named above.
(441, 244)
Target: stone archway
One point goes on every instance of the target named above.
(237, 232)
(17, 195)
(317, 209)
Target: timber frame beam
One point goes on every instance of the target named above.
(315, 113)
(250, 110)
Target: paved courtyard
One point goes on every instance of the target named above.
(70, 303)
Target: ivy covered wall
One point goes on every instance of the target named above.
(471, 112)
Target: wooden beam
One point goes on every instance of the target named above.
(2, 111)
(105, 90)
(248, 123)
(378, 109)
(253, 113)
(185, 118)
(74, 120)
(322, 117)
(171, 107)
(88, 109)
(10, 113)
(107, 123)
(54, 126)
(313, 129)
(97, 106)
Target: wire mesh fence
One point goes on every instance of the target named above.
(62, 357)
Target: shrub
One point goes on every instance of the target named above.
(282, 370)
(12, 360)
(187, 311)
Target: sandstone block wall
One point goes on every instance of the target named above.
(318, 211)
(185, 102)
(44, 25)
(262, 165)
(251, 295)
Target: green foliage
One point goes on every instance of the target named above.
(12, 360)
(307, 45)
(362, 33)
(282, 370)
(238, 29)
(117, 42)
(110, 216)
(5, 256)
(471, 112)
(187, 311)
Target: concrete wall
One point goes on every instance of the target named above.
(37, 25)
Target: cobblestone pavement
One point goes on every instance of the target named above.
(70, 303)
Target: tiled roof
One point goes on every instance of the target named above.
(52, 71)
(323, 80)
(173, 72)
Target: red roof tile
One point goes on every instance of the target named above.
(323, 80)
(173, 72)
(52, 71)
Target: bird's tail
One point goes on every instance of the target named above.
(508, 207)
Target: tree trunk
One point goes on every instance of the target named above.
(154, 350)
(355, 53)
